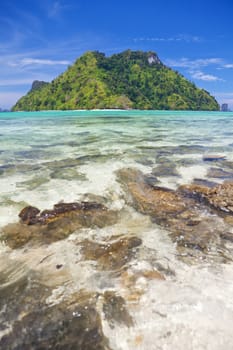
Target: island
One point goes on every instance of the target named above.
(127, 80)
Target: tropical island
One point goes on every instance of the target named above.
(128, 80)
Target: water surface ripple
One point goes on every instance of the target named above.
(127, 282)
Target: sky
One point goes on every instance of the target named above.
(40, 38)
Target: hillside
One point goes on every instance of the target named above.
(131, 79)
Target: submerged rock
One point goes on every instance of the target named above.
(112, 255)
(72, 324)
(156, 201)
(186, 213)
(32, 317)
(52, 225)
(213, 157)
(204, 182)
(28, 214)
(219, 173)
(68, 174)
(167, 168)
(114, 308)
(219, 197)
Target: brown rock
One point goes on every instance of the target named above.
(153, 200)
(186, 213)
(221, 197)
(28, 214)
(114, 308)
(113, 255)
(71, 324)
(153, 274)
(129, 279)
(195, 191)
(52, 225)
(229, 219)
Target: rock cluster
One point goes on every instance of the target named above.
(193, 214)
(72, 324)
(198, 218)
(76, 320)
(31, 215)
(52, 225)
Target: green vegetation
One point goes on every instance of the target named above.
(131, 79)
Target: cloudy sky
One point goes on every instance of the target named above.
(40, 38)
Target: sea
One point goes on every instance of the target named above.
(52, 157)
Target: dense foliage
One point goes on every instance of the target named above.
(131, 79)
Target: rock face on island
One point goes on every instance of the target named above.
(131, 79)
(37, 85)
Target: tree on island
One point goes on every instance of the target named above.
(128, 80)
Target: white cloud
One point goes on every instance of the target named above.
(176, 38)
(37, 61)
(193, 64)
(199, 63)
(56, 9)
(205, 77)
(229, 65)
(193, 67)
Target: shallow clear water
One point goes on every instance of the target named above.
(48, 157)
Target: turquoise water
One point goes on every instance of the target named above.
(39, 136)
(49, 157)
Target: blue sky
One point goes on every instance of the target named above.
(39, 39)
